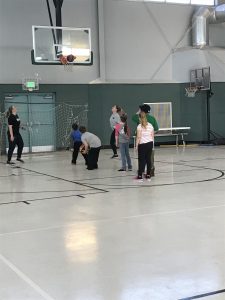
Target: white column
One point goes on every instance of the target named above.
(101, 38)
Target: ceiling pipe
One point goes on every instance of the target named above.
(200, 23)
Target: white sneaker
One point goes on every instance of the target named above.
(148, 178)
(138, 179)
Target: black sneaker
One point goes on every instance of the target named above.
(19, 159)
(114, 156)
(148, 178)
(152, 172)
(121, 170)
(10, 162)
(73, 162)
(138, 179)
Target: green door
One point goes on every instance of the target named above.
(37, 115)
(42, 119)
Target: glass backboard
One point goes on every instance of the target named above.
(51, 42)
(200, 78)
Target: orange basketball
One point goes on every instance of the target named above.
(63, 59)
(71, 58)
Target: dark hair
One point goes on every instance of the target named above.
(145, 108)
(123, 119)
(75, 126)
(118, 108)
(82, 129)
(9, 111)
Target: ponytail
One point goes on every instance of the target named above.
(143, 119)
(123, 119)
(9, 111)
(118, 109)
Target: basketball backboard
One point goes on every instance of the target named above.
(200, 78)
(51, 42)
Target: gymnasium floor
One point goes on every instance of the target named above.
(71, 234)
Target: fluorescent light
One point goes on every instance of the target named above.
(202, 2)
(81, 52)
(75, 51)
(66, 51)
(194, 2)
(178, 1)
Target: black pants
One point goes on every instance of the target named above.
(18, 141)
(76, 149)
(113, 142)
(153, 160)
(144, 158)
(92, 158)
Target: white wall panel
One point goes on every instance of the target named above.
(16, 20)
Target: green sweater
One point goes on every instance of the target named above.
(150, 119)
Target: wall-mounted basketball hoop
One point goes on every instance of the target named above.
(199, 81)
(67, 61)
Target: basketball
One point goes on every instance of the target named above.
(63, 59)
(71, 58)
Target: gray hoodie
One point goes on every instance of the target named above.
(114, 119)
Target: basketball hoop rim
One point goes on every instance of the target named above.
(191, 91)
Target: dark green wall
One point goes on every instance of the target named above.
(129, 96)
(101, 97)
(217, 108)
(70, 93)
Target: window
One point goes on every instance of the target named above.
(178, 1)
(190, 2)
(194, 2)
(202, 2)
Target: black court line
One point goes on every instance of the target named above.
(124, 186)
(117, 187)
(204, 159)
(204, 295)
(109, 177)
(132, 175)
(197, 167)
(26, 202)
(49, 198)
(140, 185)
(37, 199)
(40, 192)
(66, 180)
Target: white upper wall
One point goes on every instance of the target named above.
(136, 45)
(16, 20)
(140, 37)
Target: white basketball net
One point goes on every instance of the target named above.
(190, 91)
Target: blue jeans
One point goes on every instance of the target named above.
(125, 155)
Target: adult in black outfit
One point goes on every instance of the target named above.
(14, 137)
